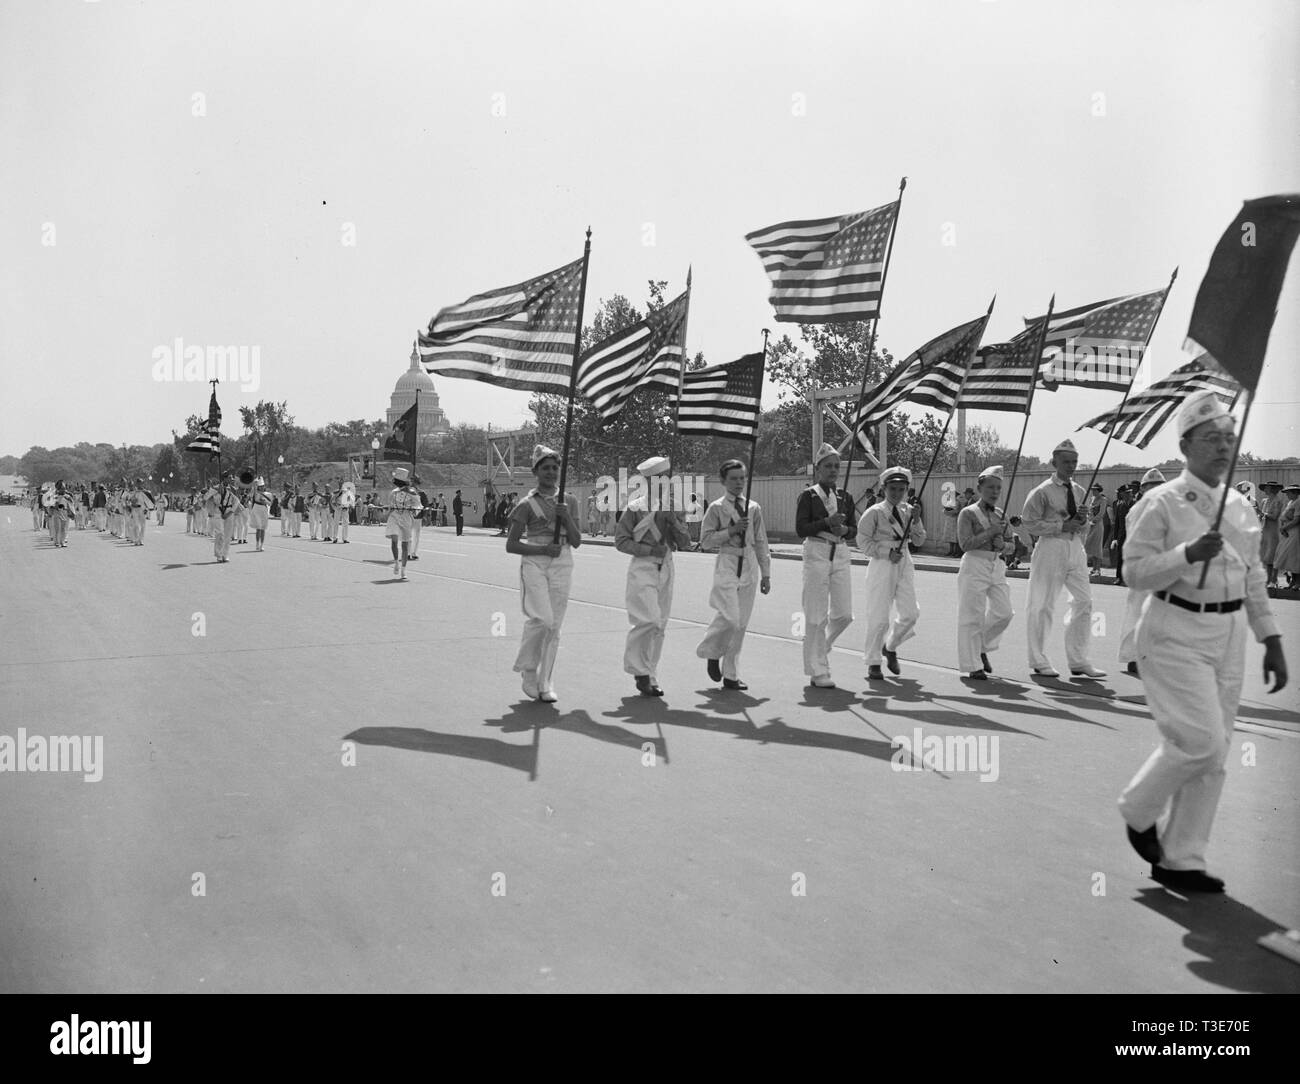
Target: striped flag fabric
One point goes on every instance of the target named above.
(1100, 345)
(1143, 416)
(931, 376)
(519, 336)
(209, 435)
(649, 353)
(722, 400)
(1001, 376)
(826, 270)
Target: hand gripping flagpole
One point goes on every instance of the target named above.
(573, 383)
(1033, 381)
(753, 452)
(1227, 479)
(871, 342)
(1119, 410)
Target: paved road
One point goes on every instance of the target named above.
(224, 755)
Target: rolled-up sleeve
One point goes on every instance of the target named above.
(761, 549)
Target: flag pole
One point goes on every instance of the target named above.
(217, 434)
(1033, 382)
(1227, 479)
(573, 383)
(753, 454)
(871, 340)
(1120, 409)
(681, 382)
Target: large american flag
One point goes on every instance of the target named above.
(931, 376)
(1144, 415)
(649, 353)
(209, 435)
(1100, 345)
(519, 336)
(1001, 376)
(722, 400)
(826, 270)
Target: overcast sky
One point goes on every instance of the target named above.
(1077, 148)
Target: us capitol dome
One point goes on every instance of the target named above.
(431, 421)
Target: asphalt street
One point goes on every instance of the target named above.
(318, 778)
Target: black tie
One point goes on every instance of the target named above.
(897, 518)
(1070, 506)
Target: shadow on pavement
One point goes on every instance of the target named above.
(490, 750)
(575, 722)
(1224, 931)
(963, 720)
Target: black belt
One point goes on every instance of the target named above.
(1196, 607)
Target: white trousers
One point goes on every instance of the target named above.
(415, 537)
(1128, 633)
(341, 527)
(544, 594)
(827, 602)
(1191, 667)
(313, 520)
(892, 611)
(733, 599)
(101, 518)
(983, 607)
(1056, 563)
(221, 532)
(649, 603)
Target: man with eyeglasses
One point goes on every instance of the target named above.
(1191, 644)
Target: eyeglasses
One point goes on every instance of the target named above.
(1216, 440)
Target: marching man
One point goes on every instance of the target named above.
(883, 533)
(260, 513)
(223, 502)
(1192, 644)
(824, 518)
(744, 565)
(313, 511)
(545, 571)
(403, 503)
(1135, 598)
(1054, 511)
(983, 600)
(649, 534)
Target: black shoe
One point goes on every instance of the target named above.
(978, 675)
(988, 666)
(1147, 844)
(874, 674)
(729, 683)
(414, 558)
(655, 690)
(715, 670)
(891, 660)
(1187, 880)
(643, 684)
(1132, 668)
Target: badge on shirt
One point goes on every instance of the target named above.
(1191, 495)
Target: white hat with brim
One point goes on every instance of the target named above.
(656, 464)
(895, 474)
(401, 476)
(1153, 475)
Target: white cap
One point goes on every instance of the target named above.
(991, 472)
(825, 452)
(895, 474)
(656, 464)
(1067, 445)
(541, 452)
(1153, 475)
(401, 474)
(1202, 406)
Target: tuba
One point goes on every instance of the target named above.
(348, 495)
(246, 477)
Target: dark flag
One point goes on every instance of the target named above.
(827, 270)
(1100, 345)
(1002, 376)
(520, 336)
(649, 353)
(209, 436)
(1237, 302)
(1144, 415)
(400, 444)
(722, 400)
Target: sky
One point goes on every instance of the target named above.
(194, 170)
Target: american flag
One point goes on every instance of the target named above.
(1100, 345)
(931, 376)
(1143, 415)
(519, 336)
(722, 400)
(647, 353)
(826, 270)
(1001, 377)
(209, 435)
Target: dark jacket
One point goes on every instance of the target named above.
(811, 517)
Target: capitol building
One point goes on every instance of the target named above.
(431, 421)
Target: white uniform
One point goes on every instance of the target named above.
(1133, 604)
(1059, 560)
(544, 585)
(827, 575)
(983, 599)
(732, 595)
(649, 582)
(892, 611)
(313, 514)
(1191, 664)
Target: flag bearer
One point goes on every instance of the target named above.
(648, 533)
(223, 502)
(983, 600)
(402, 503)
(1191, 643)
(260, 513)
(884, 531)
(736, 530)
(545, 570)
(1135, 598)
(824, 518)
